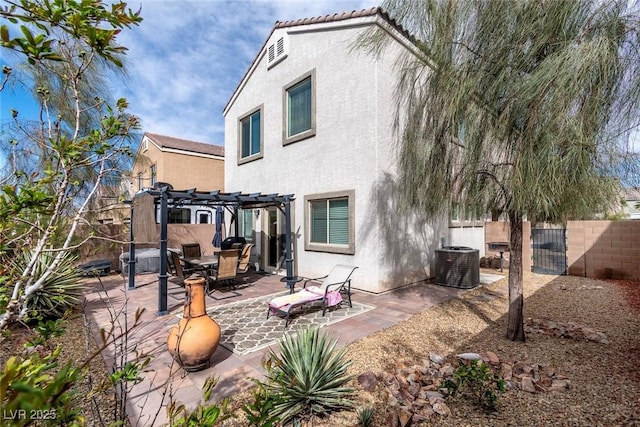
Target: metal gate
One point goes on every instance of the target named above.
(549, 249)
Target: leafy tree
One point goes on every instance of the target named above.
(59, 161)
(520, 107)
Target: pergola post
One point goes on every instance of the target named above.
(162, 277)
(132, 253)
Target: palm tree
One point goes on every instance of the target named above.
(516, 106)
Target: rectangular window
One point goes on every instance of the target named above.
(179, 216)
(329, 218)
(299, 109)
(140, 181)
(203, 217)
(246, 223)
(454, 212)
(153, 175)
(250, 136)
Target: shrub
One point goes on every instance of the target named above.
(309, 375)
(476, 379)
(365, 416)
(204, 414)
(32, 385)
(60, 291)
(259, 412)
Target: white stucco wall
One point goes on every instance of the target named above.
(472, 237)
(353, 149)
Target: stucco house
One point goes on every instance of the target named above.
(313, 117)
(631, 204)
(182, 163)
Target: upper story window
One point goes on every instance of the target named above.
(329, 221)
(154, 175)
(300, 109)
(250, 131)
(140, 181)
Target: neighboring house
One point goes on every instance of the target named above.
(182, 163)
(631, 204)
(314, 118)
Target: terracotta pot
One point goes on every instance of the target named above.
(193, 341)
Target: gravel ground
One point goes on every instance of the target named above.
(605, 378)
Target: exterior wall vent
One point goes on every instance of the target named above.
(277, 50)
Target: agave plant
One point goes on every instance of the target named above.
(309, 375)
(60, 291)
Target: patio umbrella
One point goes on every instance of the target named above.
(217, 237)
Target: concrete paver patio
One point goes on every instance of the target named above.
(111, 306)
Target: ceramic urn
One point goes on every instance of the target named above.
(195, 338)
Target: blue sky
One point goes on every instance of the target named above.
(187, 57)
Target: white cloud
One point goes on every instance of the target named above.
(187, 57)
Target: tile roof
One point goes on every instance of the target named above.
(631, 193)
(372, 11)
(183, 144)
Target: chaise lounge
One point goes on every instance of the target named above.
(329, 292)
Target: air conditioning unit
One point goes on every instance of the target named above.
(458, 266)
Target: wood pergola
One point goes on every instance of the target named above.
(164, 195)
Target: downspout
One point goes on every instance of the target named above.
(291, 280)
(162, 277)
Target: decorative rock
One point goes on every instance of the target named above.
(446, 371)
(368, 381)
(434, 397)
(405, 418)
(527, 385)
(392, 419)
(436, 358)
(493, 358)
(441, 409)
(560, 385)
(469, 356)
(506, 371)
(417, 418)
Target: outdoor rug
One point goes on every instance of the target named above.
(245, 327)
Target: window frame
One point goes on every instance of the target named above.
(348, 249)
(153, 171)
(247, 116)
(286, 139)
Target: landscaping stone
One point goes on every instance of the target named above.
(368, 381)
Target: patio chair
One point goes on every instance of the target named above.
(225, 273)
(329, 291)
(245, 257)
(191, 250)
(177, 273)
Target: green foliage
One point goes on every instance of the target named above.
(45, 330)
(94, 23)
(365, 416)
(309, 375)
(207, 414)
(59, 292)
(79, 143)
(259, 413)
(33, 385)
(476, 379)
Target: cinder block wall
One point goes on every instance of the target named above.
(499, 232)
(604, 249)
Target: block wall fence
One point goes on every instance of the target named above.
(597, 249)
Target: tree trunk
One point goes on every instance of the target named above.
(515, 326)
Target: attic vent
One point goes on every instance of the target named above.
(280, 44)
(272, 53)
(277, 51)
